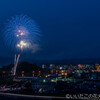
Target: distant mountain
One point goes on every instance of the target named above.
(27, 67)
(23, 66)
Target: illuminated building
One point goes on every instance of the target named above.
(43, 66)
(52, 66)
(43, 84)
(97, 68)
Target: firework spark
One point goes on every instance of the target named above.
(22, 45)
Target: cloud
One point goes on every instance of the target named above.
(34, 48)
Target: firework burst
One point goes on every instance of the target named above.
(21, 34)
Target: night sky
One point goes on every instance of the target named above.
(69, 28)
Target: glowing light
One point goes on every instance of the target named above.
(19, 30)
(17, 35)
(22, 72)
(21, 33)
(79, 65)
(22, 44)
(44, 80)
(48, 75)
(66, 74)
(62, 71)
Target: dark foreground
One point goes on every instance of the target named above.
(2, 97)
(18, 98)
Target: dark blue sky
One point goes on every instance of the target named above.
(69, 28)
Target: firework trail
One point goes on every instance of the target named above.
(21, 34)
(15, 65)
